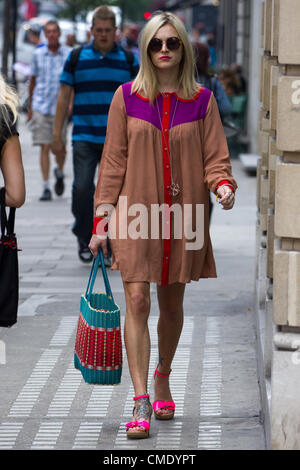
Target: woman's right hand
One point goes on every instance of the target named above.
(95, 244)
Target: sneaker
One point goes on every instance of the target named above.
(46, 196)
(59, 186)
(84, 252)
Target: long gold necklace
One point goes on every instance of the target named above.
(174, 188)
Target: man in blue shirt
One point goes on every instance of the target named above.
(100, 69)
(47, 64)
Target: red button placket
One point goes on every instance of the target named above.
(167, 182)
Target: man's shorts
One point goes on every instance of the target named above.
(42, 128)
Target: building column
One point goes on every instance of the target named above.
(254, 74)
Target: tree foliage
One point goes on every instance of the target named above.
(132, 9)
(74, 8)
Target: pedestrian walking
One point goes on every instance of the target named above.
(94, 71)
(10, 150)
(47, 64)
(165, 147)
(210, 81)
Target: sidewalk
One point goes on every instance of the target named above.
(45, 403)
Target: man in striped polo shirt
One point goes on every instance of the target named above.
(101, 68)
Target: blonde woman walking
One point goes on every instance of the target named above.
(165, 145)
(10, 151)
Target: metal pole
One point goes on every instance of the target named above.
(14, 29)
(6, 38)
(123, 7)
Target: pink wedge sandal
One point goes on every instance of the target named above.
(144, 426)
(163, 405)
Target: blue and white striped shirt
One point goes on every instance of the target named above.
(95, 80)
(46, 67)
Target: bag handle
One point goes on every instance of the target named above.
(3, 212)
(93, 274)
(9, 224)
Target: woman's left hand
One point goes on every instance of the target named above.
(226, 197)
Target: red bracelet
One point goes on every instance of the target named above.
(227, 184)
(96, 222)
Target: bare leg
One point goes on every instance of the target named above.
(136, 333)
(45, 161)
(169, 327)
(137, 343)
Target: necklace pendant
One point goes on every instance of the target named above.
(174, 189)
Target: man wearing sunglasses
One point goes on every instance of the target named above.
(101, 67)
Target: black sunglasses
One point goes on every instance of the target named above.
(156, 44)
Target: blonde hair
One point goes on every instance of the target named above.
(146, 80)
(8, 102)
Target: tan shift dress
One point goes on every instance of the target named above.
(146, 144)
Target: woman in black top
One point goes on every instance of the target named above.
(10, 150)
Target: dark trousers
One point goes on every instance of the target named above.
(86, 157)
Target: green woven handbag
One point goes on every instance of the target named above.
(98, 346)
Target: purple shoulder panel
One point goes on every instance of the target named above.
(189, 111)
(186, 111)
(138, 108)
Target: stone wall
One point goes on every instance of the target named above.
(278, 220)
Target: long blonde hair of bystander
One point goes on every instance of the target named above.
(11, 165)
(146, 80)
(8, 102)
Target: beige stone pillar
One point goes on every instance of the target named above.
(278, 203)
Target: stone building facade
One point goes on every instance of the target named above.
(278, 222)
